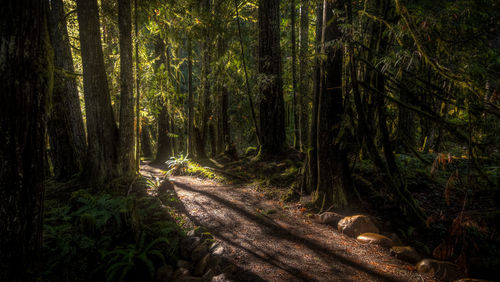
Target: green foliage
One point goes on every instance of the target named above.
(92, 236)
(135, 260)
(184, 166)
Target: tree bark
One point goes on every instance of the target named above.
(206, 111)
(102, 133)
(126, 149)
(164, 151)
(65, 122)
(26, 69)
(146, 140)
(272, 110)
(303, 88)
(333, 185)
(190, 121)
(310, 174)
(296, 129)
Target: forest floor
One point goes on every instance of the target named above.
(269, 240)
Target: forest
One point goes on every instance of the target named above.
(250, 140)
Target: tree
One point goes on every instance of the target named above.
(296, 128)
(272, 109)
(190, 102)
(303, 97)
(102, 133)
(65, 122)
(26, 68)
(310, 173)
(164, 151)
(332, 170)
(126, 149)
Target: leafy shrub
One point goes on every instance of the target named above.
(92, 237)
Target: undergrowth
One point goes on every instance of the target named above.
(105, 236)
(184, 166)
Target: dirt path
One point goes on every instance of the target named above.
(279, 243)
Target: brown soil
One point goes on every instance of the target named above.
(274, 242)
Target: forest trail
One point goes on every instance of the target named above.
(275, 242)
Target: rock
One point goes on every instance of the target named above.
(200, 232)
(406, 253)
(209, 274)
(184, 264)
(201, 266)
(217, 249)
(164, 273)
(165, 186)
(442, 270)
(375, 239)
(199, 252)
(355, 225)
(221, 278)
(180, 273)
(329, 218)
(188, 245)
(395, 238)
(215, 263)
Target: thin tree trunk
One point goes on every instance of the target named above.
(137, 92)
(101, 163)
(190, 102)
(303, 121)
(26, 69)
(126, 147)
(272, 110)
(249, 93)
(296, 135)
(205, 72)
(65, 122)
(146, 140)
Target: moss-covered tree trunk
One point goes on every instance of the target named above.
(26, 69)
(65, 122)
(126, 149)
(272, 109)
(102, 133)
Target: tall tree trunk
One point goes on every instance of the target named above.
(26, 69)
(310, 174)
(272, 110)
(65, 122)
(333, 185)
(296, 135)
(126, 147)
(137, 93)
(146, 140)
(206, 111)
(249, 94)
(303, 88)
(101, 162)
(190, 120)
(164, 151)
